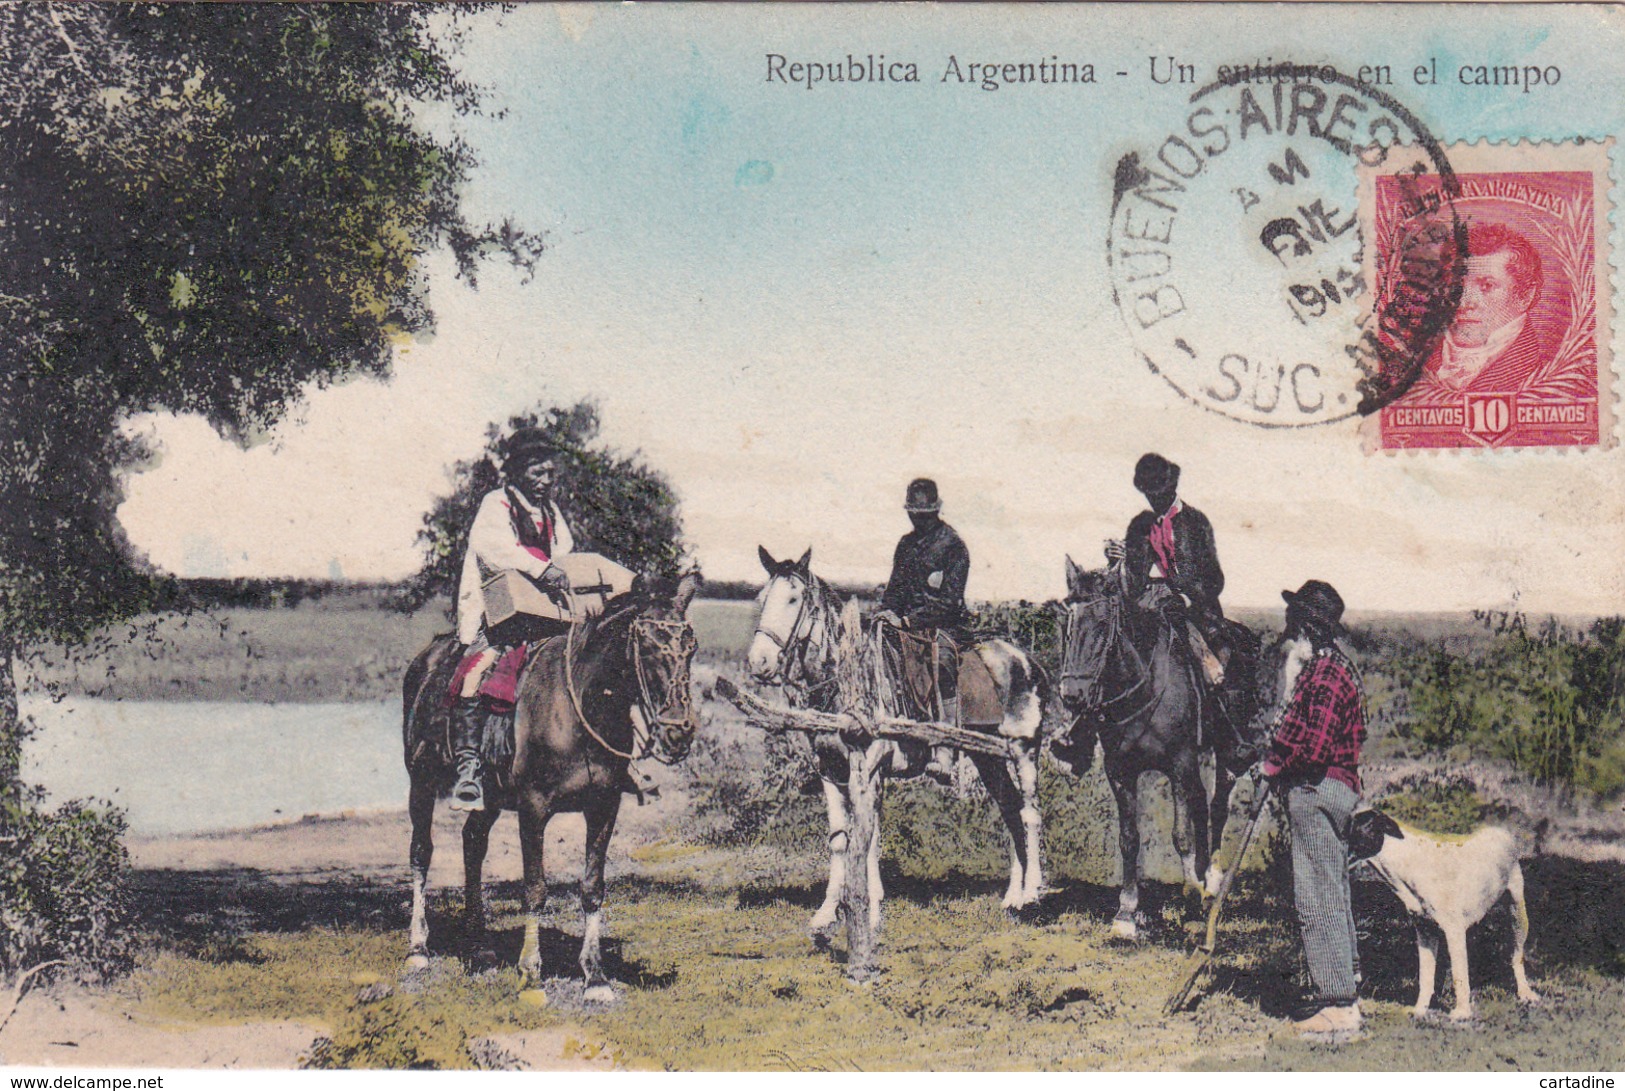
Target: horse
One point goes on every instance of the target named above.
(574, 733)
(1126, 676)
(802, 633)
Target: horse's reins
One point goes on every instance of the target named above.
(1116, 640)
(793, 648)
(640, 733)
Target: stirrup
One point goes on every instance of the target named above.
(468, 794)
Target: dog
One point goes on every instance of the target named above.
(1453, 882)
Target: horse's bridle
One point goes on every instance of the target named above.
(793, 648)
(673, 733)
(1114, 639)
(662, 745)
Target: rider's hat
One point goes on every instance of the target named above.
(524, 447)
(1153, 473)
(922, 496)
(1318, 601)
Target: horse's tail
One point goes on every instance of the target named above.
(422, 691)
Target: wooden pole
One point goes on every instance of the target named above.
(863, 790)
(777, 718)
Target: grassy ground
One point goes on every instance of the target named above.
(716, 972)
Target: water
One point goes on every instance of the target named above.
(196, 766)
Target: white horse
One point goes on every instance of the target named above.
(798, 646)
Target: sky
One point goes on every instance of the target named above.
(793, 300)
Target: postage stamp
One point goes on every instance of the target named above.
(817, 538)
(1526, 360)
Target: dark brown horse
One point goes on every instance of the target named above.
(1126, 674)
(576, 725)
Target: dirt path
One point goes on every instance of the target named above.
(72, 1026)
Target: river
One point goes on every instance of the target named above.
(195, 766)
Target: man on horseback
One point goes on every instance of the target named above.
(925, 600)
(518, 526)
(1171, 563)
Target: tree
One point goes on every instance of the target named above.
(615, 503)
(203, 209)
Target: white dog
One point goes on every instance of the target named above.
(1452, 881)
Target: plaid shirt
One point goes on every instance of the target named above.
(1323, 725)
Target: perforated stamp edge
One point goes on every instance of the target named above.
(1592, 155)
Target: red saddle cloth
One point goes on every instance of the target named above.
(500, 685)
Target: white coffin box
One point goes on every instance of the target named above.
(594, 580)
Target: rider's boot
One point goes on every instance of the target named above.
(639, 781)
(468, 726)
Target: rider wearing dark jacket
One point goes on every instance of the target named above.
(926, 596)
(1174, 543)
(929, 567)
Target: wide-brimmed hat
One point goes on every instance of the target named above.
(922, 496)
(524, 447)
(1318, 601)
(1153, 473)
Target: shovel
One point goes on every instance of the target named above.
(1201, 957)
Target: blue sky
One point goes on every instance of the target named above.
(795, 300)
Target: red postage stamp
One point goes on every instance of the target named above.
(1524, 360)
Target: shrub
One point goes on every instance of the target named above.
(401, 1032)
(62, 893)
(1550, 702)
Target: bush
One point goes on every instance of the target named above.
(1550, 702)
(62, 889)
(1447, 804)
(401, 1032)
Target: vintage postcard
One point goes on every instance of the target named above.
(811, 538)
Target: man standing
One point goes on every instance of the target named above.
(517, 526)
(925, 596)
(1173, 542)
(1314, 760)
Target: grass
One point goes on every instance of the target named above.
(717, 973)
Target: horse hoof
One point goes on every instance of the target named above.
(536, 998)
(822, 936)
(417, 962)
(599, 994)
(1125, 929)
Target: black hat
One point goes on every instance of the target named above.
(1153, 473)
(524, 447)
(1318, 601)
(922, 496)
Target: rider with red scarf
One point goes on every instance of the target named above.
(1172, 543)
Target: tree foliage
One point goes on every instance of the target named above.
(614, 503)
(203, 209)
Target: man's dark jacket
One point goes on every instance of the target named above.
(921, 554)
(1196, 574)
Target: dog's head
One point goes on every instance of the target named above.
(1366, 832)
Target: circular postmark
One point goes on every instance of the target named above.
(1240, 256)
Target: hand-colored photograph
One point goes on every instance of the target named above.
(811, 538)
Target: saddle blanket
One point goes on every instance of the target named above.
(979, 702)
(500, 685)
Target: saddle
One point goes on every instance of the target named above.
(920, 674)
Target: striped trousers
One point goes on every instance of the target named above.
(1320, 814)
